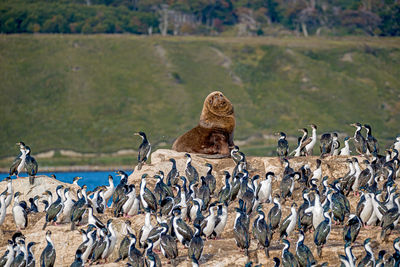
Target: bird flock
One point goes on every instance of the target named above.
(190, 209)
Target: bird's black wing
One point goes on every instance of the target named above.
(14, 165)
(31, 165)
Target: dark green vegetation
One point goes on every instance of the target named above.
(199, 17)
(91, 93)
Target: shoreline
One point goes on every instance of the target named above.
(82, 168)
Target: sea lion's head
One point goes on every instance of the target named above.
(218, 104)
(217, 112)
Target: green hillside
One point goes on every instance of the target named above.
(91, 93)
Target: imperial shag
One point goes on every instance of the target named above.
(191, 173)
(146, 196)
(19, 162)
(322, 232)
(289, 223)
(304, 255)
(173, 174)
(31, 165)
(48, 256)
(372, 143)
(55, 208)
(359, 140)
(261, 231)
(282, 149)
(144, 150)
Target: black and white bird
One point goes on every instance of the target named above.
(264, 189)
(182, 231)
(168, 246)
(322, 232)
(359, 140)
(21, 254)
(288, 259)
(135, 257)
(345, 151)
(196, 244)
(304, 255)
(191, 173)
(220, 222)
(282, 148)
(92, 219)
(9, 190)
(274, 215)
(289, 223)
(173, 174)
(48, 256)
(109, 189)
(78, 262)
(147, 198)
(31, 165)
(352, 228)
(241, 230)
(19, 213)
(210, 178)
(369, 258)
(55, 208)
(146, 229)
(308, 144)
(8, 257)
(30, 261)
(371, 142)
(144, 150)
(261, 231)
(79, 208)
(18, 164)
(3, 207)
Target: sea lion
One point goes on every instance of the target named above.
(214, 133)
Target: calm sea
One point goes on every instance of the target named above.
(90, 178)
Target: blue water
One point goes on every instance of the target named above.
(90, 178)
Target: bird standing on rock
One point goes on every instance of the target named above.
(48, 256)
(191, 173)
(261, 231)
(308, 144)
(359, 140)
(371, 142)
(147, 198)
(173, 174)
(282, 149)
(288, 259)
(19, 213)
(144, 150)
(322, 232)
(19, 162)
(31, 165)
(55, 208)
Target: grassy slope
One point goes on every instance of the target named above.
(90, 93)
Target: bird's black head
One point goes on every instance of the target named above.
(21, 144)
(142, 134)
(227, 174)
(78, 254)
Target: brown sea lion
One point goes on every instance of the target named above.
(214, 133)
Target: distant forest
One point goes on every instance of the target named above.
(203, 17)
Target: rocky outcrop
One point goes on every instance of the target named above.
(221, 252)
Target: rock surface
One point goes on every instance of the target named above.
(221, 252)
